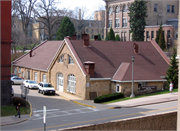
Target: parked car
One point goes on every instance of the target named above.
(16, 80)
(12, 91)
(30, 84)
(12, 75)
(46, 88)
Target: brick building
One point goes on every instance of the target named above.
(93, 68)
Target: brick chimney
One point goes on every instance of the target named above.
(136, 48)
(96, 37)
(30, 53)
(90, 67)
(74, 37)
(85, 38)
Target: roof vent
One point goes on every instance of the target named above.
(74, 37)
(30, 53)
(136, 48)
(96, 37)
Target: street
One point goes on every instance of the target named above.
(62, 113)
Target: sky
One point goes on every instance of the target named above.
(91, 5)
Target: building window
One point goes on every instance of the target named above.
(169, 34)
(110, 11)
(124, 22)
(61, 59)
(117, 9)
(168, 8)
(147, 35)
(122, 36)
(152, 35)
(172, 9)
(92, 31)
(102, 37)
(28, 75)
(155, 7)
(35, 76)
(71, 61)
(87, 30)
(125, 36)
(19, 70)
(71, 84)
(15, 70)
(117, 22)
(22, 74)
(110, 23)
(44, 78)
(92, 36)
(125, 8)
(117, 88)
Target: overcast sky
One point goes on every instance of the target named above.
(91, 5)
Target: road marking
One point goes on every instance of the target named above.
(46, 110)
(102, 119)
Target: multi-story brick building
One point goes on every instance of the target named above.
(116, 16)
(93, 68)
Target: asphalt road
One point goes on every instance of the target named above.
(62, 113)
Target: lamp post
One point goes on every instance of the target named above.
(132, 88)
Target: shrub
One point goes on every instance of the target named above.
(109, 97)
(16, 100)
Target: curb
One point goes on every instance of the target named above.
(116, 107)
(30, 110)
(14, 122)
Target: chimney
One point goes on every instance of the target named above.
(79, 14)
(85, 38)
(89, 67)
(74, 37)
(30, 53)
(96, 37)
(136, 48)
(68, 37)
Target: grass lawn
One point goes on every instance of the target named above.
(128, 98)
(11, 111)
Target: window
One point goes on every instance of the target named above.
(152, 35)
(117, 88)
(117, 9)
(71, 84)
(35, 76)
(28, 75)
(172, 9)
(125, 36)
(92, 31)
(110, 11)
(124, 22)
(92, 36)
(147, 35)
(122, 36)
(61, 59)
(19, 70)
(168, 8)
(102, 37)
(155, 7)
(169, 34)
(110, 23)
(125, 8)
(117, 22)
(44, 78)
(87, 30)
(71, 61)
(22, 74)
(15, 70)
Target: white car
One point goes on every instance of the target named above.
(46, 88)
(16, 80)
(30, 84)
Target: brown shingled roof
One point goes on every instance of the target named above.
(150, 63)
(42, 56)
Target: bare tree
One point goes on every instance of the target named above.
(47, 14)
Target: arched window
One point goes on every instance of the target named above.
(125, 8)
(117, 9)
(61, 59)
(110, 10)
(71, 61)
(71, 84)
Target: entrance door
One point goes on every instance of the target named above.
(60, 82)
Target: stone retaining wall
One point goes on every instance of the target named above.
(162, 121)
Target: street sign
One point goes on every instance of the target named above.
(22, 86)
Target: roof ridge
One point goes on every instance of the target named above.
(28, 52)
(160, 51)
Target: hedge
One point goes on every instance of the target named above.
(109, 97)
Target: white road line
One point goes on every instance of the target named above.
(46, 110)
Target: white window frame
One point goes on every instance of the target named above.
(124, 8)
(110, 10)
(117, 23)
(44, 77)
(71, 84)
(117, 85)
(124, 22)
(15, 70)
(60, 79)
(71, 61)
(110, 23)
(61, 59)
(19, 70)
(117, 9)
(36, 76)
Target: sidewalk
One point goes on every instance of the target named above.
(9, 120)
